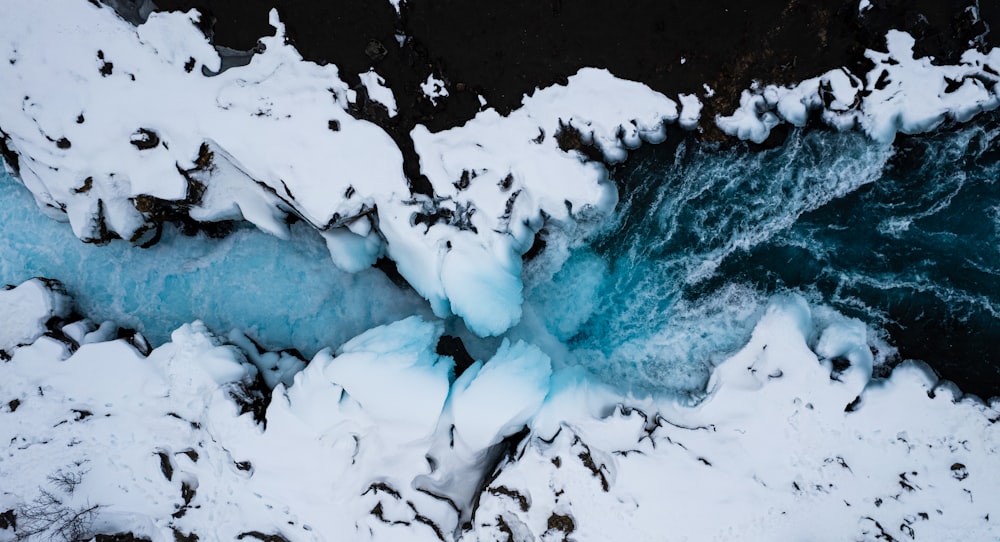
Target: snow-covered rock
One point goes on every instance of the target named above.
(26, 309)
(900, 94)
(184, 441)
(377, 91)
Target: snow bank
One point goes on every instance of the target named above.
(108, 114)
(781, 435)
(27, 308)
(900, 94)
(183, 441)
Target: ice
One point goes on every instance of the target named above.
(353, 253)
(369, 444)
(283, 294)
(221, 436)
(496, 399)
(118, 126)
(488, 297)
(507, 173)
(395, 374)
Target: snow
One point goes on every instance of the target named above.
(395, 375)
(900, 94)
(377, 91)
(434, 89)
(378, 439)
(496, 399)
(147, 89)
(26, 308)
(776, 440)
(690, 111)
(505, 174)
(377, 443)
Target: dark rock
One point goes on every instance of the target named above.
(145, 139)
(257, 535)
(449, 345)
(559, 522)
(120, 537)
(166, 467)
(8, 520)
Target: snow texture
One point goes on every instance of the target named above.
(27, 308)
(378, 443)
(900, 94)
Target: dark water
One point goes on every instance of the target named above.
(906, 239)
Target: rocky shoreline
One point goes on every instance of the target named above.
(502, 51)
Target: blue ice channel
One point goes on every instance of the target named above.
(284, 294)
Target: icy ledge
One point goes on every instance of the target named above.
(379, 441)
(901, 94)
(117, 128)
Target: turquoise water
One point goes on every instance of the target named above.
(905, 238)
(284, 294)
